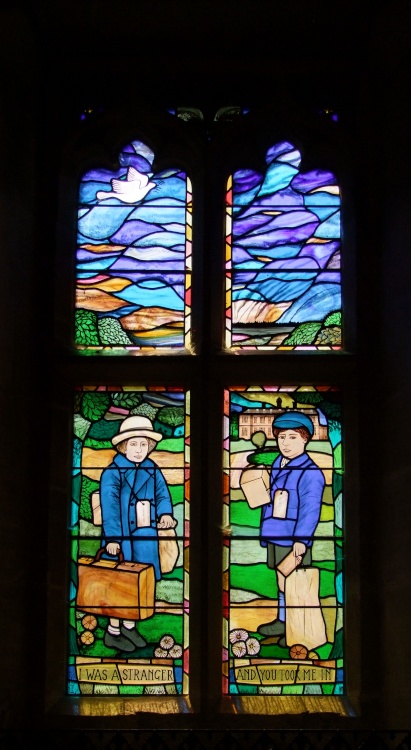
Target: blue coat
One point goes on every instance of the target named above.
(304, 482)
(122, 484)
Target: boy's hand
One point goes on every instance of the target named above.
(113, 548)
(299, 549)
(166, 522)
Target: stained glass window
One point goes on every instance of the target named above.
(133, 257)
(283, 236)
(284, 544)
(129, 603)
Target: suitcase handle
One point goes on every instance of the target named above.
(103, 549)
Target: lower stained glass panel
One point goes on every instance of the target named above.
(129, 608)
(283, 602)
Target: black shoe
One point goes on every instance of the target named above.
(118, 641)
(133, 636)
(276, 627)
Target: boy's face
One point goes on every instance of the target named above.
(137, 449)
(291, 443)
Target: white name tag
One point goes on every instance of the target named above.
(143, 513)
(280, 504)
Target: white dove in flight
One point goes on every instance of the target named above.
(130, 190)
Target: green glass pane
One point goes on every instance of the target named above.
(242, 515)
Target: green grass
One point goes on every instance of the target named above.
(177, 493)
(242, 515)
(257, 578)
(151, 629)
(175, 445)
(327, 583)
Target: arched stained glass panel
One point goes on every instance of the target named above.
(283, 237)
(283, 601)
(133, 257)
(129, 600)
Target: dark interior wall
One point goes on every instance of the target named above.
(23, 503)
(390, 72)
(59, 58)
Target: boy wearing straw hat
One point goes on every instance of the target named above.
(135, 501)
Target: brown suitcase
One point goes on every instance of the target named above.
(115, 588)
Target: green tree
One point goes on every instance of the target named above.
(259, 439)
(303, 334)
(86, 330)
(234, 425)
(171, 415)
(126, 399)
(94, 405)
(333, 319)
(111, 332)
(328, 401)
(88, 486)
(145, 410)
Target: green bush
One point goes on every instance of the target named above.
(305, 333)
(86, 331)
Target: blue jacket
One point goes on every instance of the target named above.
(122, 484)
(304, 482)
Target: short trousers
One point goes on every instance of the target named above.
(276, 553)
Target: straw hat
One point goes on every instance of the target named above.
(136, 427)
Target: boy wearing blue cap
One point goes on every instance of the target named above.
(288, 522)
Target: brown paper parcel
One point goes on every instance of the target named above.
(255, 483)
(115, 589)
(304, 619)
(289, 563)
(167, 549)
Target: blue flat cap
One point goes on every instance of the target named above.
(292, 419)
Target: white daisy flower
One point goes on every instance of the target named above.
(238, 635)
(167, 642)
(253, 646)
(239, 648)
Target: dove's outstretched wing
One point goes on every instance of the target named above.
(134, 175)
(119, 186)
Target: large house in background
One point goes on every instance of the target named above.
(261, 420)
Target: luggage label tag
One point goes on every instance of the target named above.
(280, 504)
(143, 513)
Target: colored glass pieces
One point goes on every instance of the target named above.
(133, 257)
(282, 621)
(283, 237)
(128, 619)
